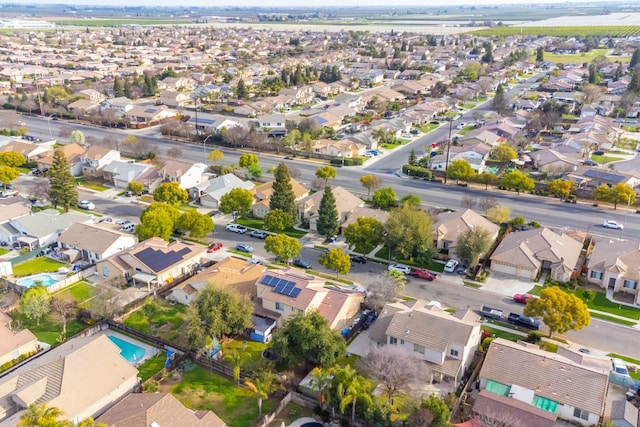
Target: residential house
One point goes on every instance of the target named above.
(448, 227)
(43, 228)
(597, 177)
(152, 262)
(283, 293)
(83, 106)
(175, 99)
(615, 266)
(155, 410)
(30, 151)
(120, 173)
(93, 242)
(364, 212)
(552, 162)
(297, 95)
(186, 174)
(11, 209)
(95, 158)
(230, 273)
(274, 124)
(81, 377)
(147, 115)
(445, 342)
(345, 203)
(72, 152)
(481, 135)
(96, 97)
(263, 192)
(208, 193)
(327, 119)
(14, 344)
(179, 83)
(119, 105)
(567, 388)
(525, 254)
(344, 148)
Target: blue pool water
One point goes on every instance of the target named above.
(129, 351)
(45, 279)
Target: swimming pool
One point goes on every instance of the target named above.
(129, 351)
(44, 279)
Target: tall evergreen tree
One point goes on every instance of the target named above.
(635, 59)
(328, 223)
(283, 197)
(118, 90)
(500, 101)
(62, 191)
(634, 86)
(127, 87)
(241, 90)
(540, 54)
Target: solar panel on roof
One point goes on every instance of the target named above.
(269, 280)
(157, 260)
(150, 110)
(295, 292)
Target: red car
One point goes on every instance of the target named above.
(214, 247)
(522, 298)
(425, 274)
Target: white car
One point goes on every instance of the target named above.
(86, 204)
(613, 224)
(401, 268)
(450, 266)
(236, 228)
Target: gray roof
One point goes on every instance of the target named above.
(217, 187)
(49, 221)
(125, 170)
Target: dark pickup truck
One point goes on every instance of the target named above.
(524, 321)
(491, 313)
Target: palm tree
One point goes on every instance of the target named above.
(235, 359)
(320, 379)
(40, 416)
(351, 387)
(263, 385)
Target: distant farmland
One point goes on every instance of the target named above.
(563, 31)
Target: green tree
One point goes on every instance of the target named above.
(247, 160)
(384, 198)
(619, 193)
(263, 384)
(236, 361)
(499, 214)
(158, 220)
(409, 231)
(219, 313)
(364, 234)
(62, 190)
(135, 187)
(460, 170)
(8, 174)
(236, 200)
(328, 221)
(215, 156)
(35, 303)
(487, 178)
(12, 159)
(560, 188)
(171, 193)
(337, 260)
(635, 59)
(504, 153)
(40, 416)
(349, 388)
(283, 197)
(118, 90)
(320, 380)
(559, 310)
(500, 100)
(283, 246)
(277, 221)
(370, 182)
(241, 90)
(196, 224)
(326, 173)
(438, 409)
(413, 159)
(411, 199)
(77, 137)
(473, 244)
(540, 54)
(517, 180)
(307, 337)
(254, 171)
(150, 309)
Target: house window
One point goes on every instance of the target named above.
(454, 353)
(418, 348)
(393, 340)
(279, 306)
(105, 271)
(630, 284)
(596, 274)
(401, 342)
(580, 413)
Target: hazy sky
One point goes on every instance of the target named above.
(302, 3)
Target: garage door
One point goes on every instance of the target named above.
(512, 271)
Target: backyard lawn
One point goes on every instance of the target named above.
(167, 323)
(237, 406)
(37, 265)
(49, 328)
(252, 352)
(152, 366)
(79, 292)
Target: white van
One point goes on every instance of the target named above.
(619, 367)
(129, 227)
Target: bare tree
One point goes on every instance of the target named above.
(170, 127)
(109, 116)
(468, 202)
(110, 142)
(294, 172)
(64, 132)
(174, 153)
(235, 135)
(257, 140)
(498, 419)
(421, 417)
(394, 367)
(41, 189)
(317, 184)
(383, 288)
(105, 302)
(91, 140)
(63, 308)
(486, 203)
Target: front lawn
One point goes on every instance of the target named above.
(90, 184)
(3, 251)
(37, 265)
(237, 406)
(605, 159)
(383, 253)
(466, 130)
(258, 224)
(428, 127)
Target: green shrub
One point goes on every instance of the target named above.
(416, 171)
(354, 161)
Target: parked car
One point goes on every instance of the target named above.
(462, 269)
(214, 247)
(598, 153)
(450, 266)
(461, 126)
(299, 262)
(522, 298)
(105, 219)
(613, 224)
(425, 274)
(128, 194)
(369, 320)
(8, 193)
(258, 234)
(360, 259)
(373, 152)
(414, 131)
(86, 204)
(524, 321)
(401, 268)
(243, 247)
(236, 228)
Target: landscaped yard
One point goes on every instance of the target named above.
(605, 159)
(3, 251)
(80, 292)
(395, 257)
(201, 390)
(428, 127)
(37, 265)
(90, 184)
(152, 366)
(252, 352)
(49, 328)
(167, 323)
(258, 224)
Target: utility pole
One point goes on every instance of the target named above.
(446, 165)
(195, 103)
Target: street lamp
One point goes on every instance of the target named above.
(49, 123)
(626, 215)
(386, 242)
(204, 147)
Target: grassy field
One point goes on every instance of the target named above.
(167, 323)
(428, 127)
(118, 22)
(151, 366)
(605, 159)
(562, 31)
(581, 57)
(37, 265)
(80, 292)
(251, 354)
(49, 329)
(237, 406)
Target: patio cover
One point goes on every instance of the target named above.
(71, 254)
